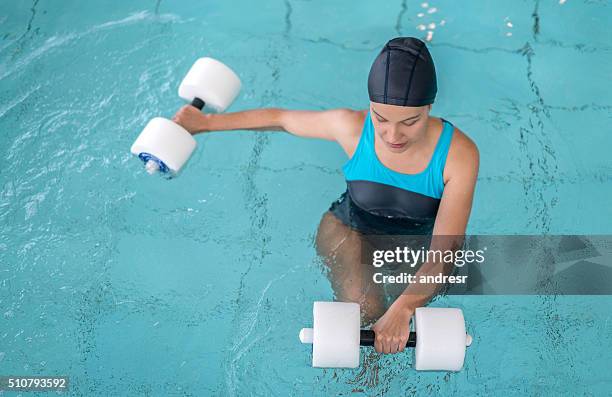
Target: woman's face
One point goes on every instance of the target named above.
(399, 126)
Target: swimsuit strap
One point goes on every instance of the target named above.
(438, 159)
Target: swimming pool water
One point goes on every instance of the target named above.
(136, 285)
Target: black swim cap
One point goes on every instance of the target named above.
(403, 74)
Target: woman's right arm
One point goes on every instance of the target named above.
(327, 124)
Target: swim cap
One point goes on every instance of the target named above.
(403, 74)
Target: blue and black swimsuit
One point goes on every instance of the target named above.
(381, 201)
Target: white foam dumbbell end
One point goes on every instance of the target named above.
(306, 335)
(167, 142)
(441, 339)
(335, 335)
(213, 82)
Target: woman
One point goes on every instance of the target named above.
(408, 173)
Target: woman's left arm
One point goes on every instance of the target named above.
(462, 163)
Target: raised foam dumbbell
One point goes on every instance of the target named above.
(440, 339)
(164, 145)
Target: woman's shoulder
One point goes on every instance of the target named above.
(357, 120)
(462, 143)
(463, 155)
(350, 120)
(353, 120)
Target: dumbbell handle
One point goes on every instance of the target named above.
(198, 103)
(367, 338)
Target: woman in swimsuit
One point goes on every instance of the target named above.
(408, 173)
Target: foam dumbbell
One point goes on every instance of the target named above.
(440, 339)
(166, 146)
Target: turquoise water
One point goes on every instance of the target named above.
(136, 285)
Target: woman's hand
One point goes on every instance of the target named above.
(191, 119)
(393, 328)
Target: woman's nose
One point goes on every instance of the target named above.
(393, 135)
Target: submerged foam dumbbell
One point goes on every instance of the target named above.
(164, 145)
(440, 339)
